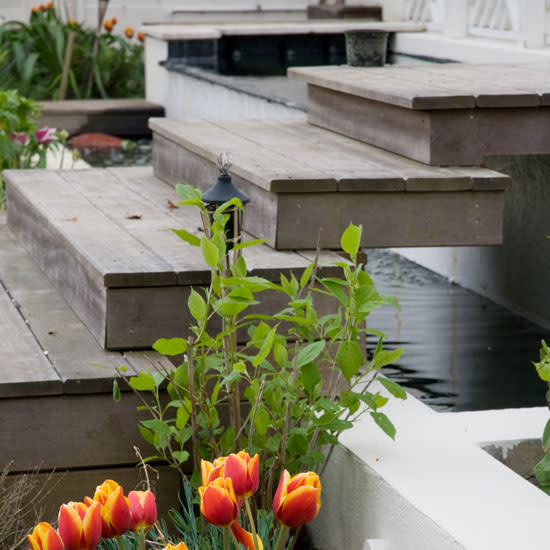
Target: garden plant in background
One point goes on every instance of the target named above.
(22, 143)
(305, 376)
(55, 58)
(542, 469)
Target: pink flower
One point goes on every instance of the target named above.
(45, 135)
(20, 137)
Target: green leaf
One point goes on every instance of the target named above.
(116, 391)
(187, 237)
(385, 423)
(236, 301)
(546, 437)
(310, 353)
(297, 443)
(180, 456)
(182, 416)
(143, 382)
(542, 473)
(266, 347)
(246, 244)
(147, 435)
(197, 306)
(157, 426)
(335, 289)
(383, 357)
(306, 275)
(187, 191)
(238, 269)
(351, 239)
(209, 252)
(280, 354)
(349, 358)
(170, 346)
(227, 439)
(310, 377)
(393, 387)
(262, 421)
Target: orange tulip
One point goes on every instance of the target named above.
(45, 537)
(143, 509)
(36, 8)
(179, 546)
(219, 503)
(71, 21)
(141, 36)
(108, 25)
(246, 538)
(48, 6)
(129, 32)
(114, 20)
(80, 525)
(244, 472)
(212, 470)
(115, 511)
(297, 499)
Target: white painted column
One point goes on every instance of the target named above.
(456, 18)
(392, 10)
(533, 23)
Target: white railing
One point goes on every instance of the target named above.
(525, 21)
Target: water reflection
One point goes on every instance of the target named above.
(462, 351)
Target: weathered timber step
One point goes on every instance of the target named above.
(104, 238)
(440, 114)
(300, 178)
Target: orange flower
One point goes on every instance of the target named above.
(129, 32)
(115, 510)
(48, 6)
(143, 509)
(212, 470)
(80, 525)
(179, 546)
(141, 36)
(45, 537)
(71, 21)
(244, 472)
(36, 9)
(114, 20)
(246, 538)
(108, 25)
(219, 504)
(298, 499)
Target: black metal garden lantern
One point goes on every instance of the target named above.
(220, 193)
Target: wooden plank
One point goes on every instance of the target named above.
(24, 369)
(417, 219)
(264, 168)
(70, 431)
(71, 348)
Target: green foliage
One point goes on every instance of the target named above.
(542, 469)
(32, 57)
(305, 377)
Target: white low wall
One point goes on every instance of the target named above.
(433, 488)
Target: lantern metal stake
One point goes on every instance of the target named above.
(220, 193)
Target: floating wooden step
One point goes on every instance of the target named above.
(104, 238)
(449, 114)
(300, 178)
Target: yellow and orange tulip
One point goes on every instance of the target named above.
(244, 472)
(297, 499)
(246, 538)
(79, 525)
(129, 32)
(143, 509)
(219, 504)
(45, 537)
(212, 470)
(141, 36)
(179, 546)
(115, 509)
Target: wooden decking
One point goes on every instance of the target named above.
(301, 177)
(451, 114)
(56, 400)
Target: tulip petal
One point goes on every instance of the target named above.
(300, 506)
(219, 503)
(246, 538)
(92, 524)
(235, 468)
(281, 492)
(69, 526)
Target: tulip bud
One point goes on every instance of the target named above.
(297, 499)
(219, 504)
(143, 509)
(115, 510)
(45, 537)
(129, 32)
(244, 472)
(80, 525)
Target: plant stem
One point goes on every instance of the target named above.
(281, 538)
(66, 65)
(141, 539)
(192, 397)
(234, 539)
(225, 539)
(252, 523)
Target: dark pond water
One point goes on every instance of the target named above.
(138, 152)
(462, 351)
